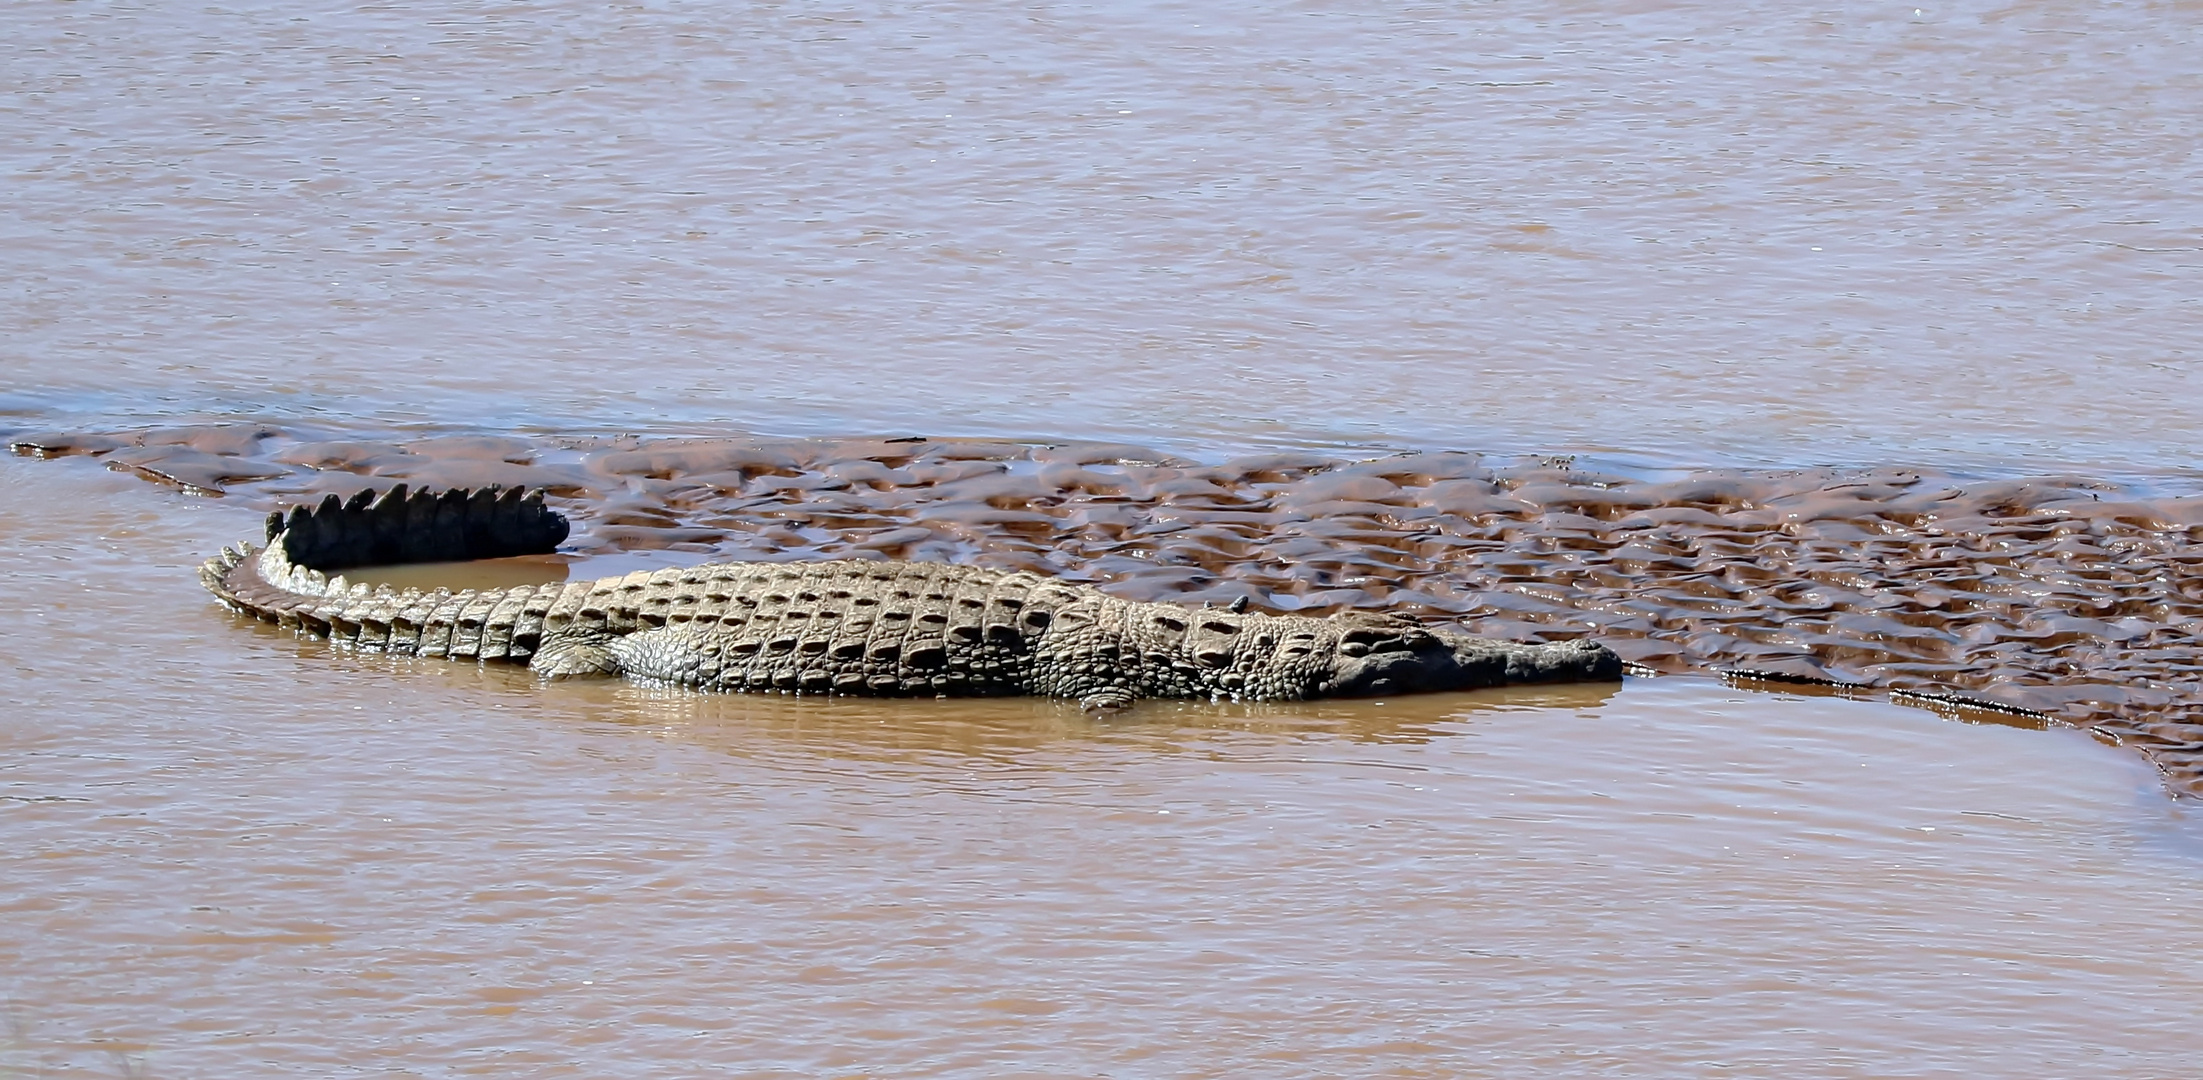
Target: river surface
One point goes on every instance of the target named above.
(1961, 237)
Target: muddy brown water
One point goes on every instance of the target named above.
(1844, 343)
(233, 849)
(1760, 232)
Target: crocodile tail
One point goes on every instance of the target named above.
(422, 526)
(288, 582)
(215, 574)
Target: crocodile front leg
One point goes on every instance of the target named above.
(576, 654)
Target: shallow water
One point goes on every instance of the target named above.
(1957, 240)
(2049, 599)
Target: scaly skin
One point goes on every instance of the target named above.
(846, 627)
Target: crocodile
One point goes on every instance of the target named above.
(850, 626)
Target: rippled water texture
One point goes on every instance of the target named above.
(1765, 233)
(2054, 598)
(1873, 329)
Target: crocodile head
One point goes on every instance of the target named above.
(1376, 655)
(1379, 655)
